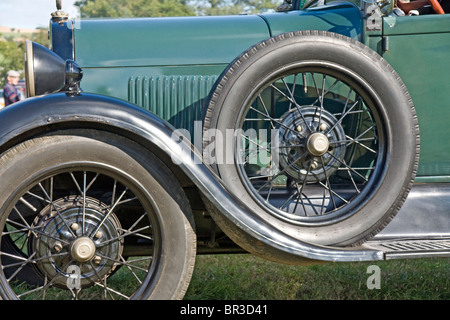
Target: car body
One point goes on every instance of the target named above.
(149, 92)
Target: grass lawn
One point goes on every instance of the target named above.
(247, 277)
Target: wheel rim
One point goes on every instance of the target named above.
(82, 242)
(326, 151)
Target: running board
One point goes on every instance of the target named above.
(421, 228)
(411, 248)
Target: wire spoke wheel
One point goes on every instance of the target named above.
(309, 145)
(87, 224)
(74, 242)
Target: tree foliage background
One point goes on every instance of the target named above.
(133, 8)
(12, 49)
(164, 8)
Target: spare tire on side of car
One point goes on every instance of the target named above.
(325, 138)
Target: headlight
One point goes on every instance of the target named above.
(46, 72)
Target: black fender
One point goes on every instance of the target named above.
(38, 115)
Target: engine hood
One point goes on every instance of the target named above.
(193, 41)
(165, 41)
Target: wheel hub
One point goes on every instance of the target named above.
(309, 144)
(72, 240)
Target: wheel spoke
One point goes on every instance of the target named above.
(297, 107)
(84, 204)
(110, 211)
(282, 171)
(328, 183)
(276, 121)
(35, 231)
(349, 168)
(49, 198)
(343, 116)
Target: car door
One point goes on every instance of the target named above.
(418, 47)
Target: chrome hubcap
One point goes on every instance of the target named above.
(317, 144)
(83, 249)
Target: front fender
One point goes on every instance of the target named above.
(34, 116)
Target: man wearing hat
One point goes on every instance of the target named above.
(10, 92)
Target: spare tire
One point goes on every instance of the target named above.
(324, 136)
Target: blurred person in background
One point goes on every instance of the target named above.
(10, 92)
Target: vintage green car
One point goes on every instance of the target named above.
(291, 135)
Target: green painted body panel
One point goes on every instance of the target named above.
(418, 48)
(342, 18)
(165, 41)
(416, 24)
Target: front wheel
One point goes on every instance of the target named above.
(324, 140)
(91, 215)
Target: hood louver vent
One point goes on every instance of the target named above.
(177, 99)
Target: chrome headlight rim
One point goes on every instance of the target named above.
(29, 69)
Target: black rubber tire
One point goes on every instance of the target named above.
(238, 86)
(149, 178)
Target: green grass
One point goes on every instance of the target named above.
(247, 277)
